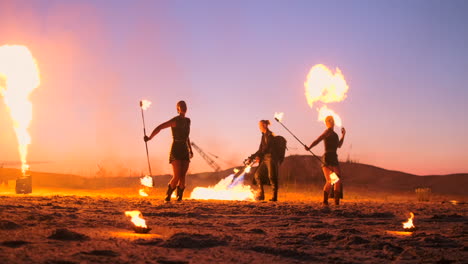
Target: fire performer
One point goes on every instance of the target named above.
(268, 162)
(330, 158)
(181, 150)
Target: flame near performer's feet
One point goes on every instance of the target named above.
(230, 188)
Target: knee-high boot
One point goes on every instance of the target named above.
(275, 194)
(261, 193)
(180, 193)
(169, 192)
(325, 198)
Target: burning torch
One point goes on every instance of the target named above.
(334, 178)
(144, 104)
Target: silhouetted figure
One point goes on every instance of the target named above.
(330, 159)
(181, 150)
(268, 163)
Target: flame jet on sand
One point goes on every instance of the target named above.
(21, 74)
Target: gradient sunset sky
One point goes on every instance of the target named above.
(234, 63)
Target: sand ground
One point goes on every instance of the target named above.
(297, 229)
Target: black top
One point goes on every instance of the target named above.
(182, 129)
(331, 140)
(266, 145)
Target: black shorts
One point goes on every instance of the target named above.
(330, 159)
(179, 151)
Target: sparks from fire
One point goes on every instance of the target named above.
(230, 188)
(136, 218)
(20, 73)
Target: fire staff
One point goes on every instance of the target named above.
(181, 150)
(268, 163)
(330, 159)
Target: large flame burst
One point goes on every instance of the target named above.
(229, 188)
(20, 73)
(326, 87)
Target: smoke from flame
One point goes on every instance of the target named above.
(21, 74)
(145, 104)
(136, 219)
(326, 87)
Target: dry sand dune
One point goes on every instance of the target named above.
(91, 228)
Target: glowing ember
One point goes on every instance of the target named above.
(409, 223)
(143, 193)
(147, 181)
(21, 74)
(324, 111)
(279, 116)
(247, 169)
(236, 170)
(144, 104)
(334, 178)
(229, 188)
(136, 218)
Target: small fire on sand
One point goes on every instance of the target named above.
(230, 188)
(139, 224)
(408, 225)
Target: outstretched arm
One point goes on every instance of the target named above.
(343, 133)
(170, 123)
(320, 138)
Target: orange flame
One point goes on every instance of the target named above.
(229, 188)
(143, 193)
(145, 104)
(136, 218)
(324, 86)
(147, 181)
(279, 116)
(324, 111)
(21, 74)
(334, 178)
(409, 223)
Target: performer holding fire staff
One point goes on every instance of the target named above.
(330, 159)
(181, 150)
(268, 162)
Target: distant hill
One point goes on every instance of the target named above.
(300, 171)
(307, 169)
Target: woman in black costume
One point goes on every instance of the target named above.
(330, 158)
(181, 150)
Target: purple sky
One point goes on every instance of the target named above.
(236, 62)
